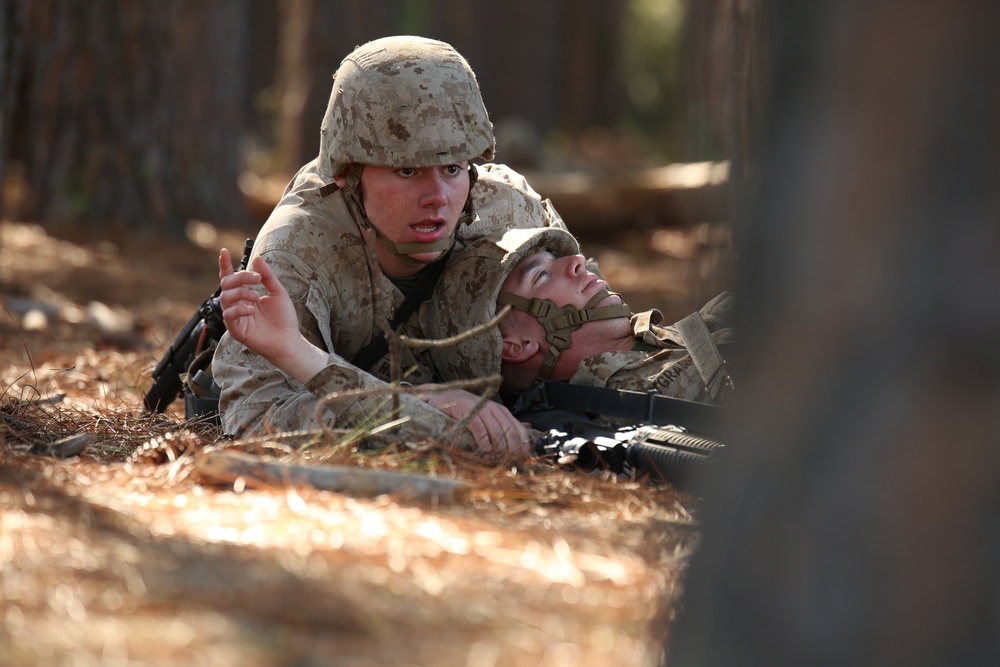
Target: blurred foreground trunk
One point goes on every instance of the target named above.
(857, 522)
(12, 17)
(129, 113)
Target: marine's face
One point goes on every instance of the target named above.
(414, 205)
(563, 280)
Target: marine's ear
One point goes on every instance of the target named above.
(341, 178)
(518, 347)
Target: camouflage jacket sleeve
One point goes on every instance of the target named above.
(338, 388)
(257, 397)
(366, 404)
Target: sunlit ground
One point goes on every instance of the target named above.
(126, 555)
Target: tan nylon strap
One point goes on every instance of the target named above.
(577, 318)
(560, 327)
(541, 308)
(706, 357)
(557, 343)
(534, 307)
(548, 363)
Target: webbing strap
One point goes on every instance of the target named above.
(706, 357)
(378, 346)
(559, 322)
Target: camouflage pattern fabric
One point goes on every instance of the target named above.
(400, 101)
(467, 298)
(404, 101)
(668, 370)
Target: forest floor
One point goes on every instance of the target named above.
(126, 555)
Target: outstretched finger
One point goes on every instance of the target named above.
(225, 263)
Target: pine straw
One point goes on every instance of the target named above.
(124, 556)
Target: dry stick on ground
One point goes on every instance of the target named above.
(228, 467)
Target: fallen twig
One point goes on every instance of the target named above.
(228, 466)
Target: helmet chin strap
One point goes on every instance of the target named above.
(560, 322)
(352, 194)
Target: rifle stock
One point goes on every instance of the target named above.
(204, 328)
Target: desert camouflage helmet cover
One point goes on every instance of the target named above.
(404, 102)
(467, 296)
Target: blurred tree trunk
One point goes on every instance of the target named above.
(722, 61)
(592, 51)
(293, 83)
(132, 113)
(562, 73)
(12, 17)
(856, 519)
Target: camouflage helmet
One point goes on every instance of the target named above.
(503, 199)
(466, 296)
(404, 102)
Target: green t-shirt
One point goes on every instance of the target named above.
(405, 284)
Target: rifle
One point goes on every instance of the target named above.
(659, 446)
(201, 333)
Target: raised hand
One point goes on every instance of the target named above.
(259, 313)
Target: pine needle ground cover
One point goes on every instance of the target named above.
(136, 552)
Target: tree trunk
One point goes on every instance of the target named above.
(856, 522)
(133, 113)
(12, 18)
(294, 81)
(561, 73)
(721, 65)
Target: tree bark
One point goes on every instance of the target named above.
(133, 113)
(12, 19)
(856, 520)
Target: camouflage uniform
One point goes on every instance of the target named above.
(314, 244)
(663, 364)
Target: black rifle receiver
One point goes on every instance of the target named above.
(661, 453)
(205, 328)
(653, 434)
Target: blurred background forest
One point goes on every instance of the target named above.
(138, 137)
(153, 118)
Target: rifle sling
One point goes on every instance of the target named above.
(379, 346)
(649, 408)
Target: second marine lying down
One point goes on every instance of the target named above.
(567, 326)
